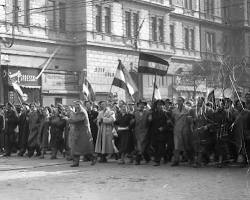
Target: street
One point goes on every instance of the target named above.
(23, 178)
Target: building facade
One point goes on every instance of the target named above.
(76, 39)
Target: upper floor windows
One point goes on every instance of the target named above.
(189, 38)
(62, 17)
(103, 19)
(209, 7)
(15, 12)
(210, 42)
(172, 35)
(157, 28)
(131, 24)
(188, 4)
(128, 24)
(27, 13)
(107, 19)
(52, 14)
(98, 18)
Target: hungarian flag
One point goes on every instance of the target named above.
(211, 99)
(88, 90)
(150, 64)
(124, 80)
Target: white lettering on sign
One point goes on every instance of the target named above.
(19, 77)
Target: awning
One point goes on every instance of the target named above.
(184, 88)
(30, 86)
(188, 88)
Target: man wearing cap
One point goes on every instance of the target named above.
(141, 122)
(11, 121)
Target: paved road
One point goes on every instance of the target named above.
(34, 179)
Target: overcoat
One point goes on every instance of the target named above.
(181, 129)
(81, 142)
(104, 141)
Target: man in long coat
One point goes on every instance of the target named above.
(34, 125)
(57, 126)
(81, 140)
(23, 130)
(11, 121)
(159, 130)
(105, 121)
(181, 132)
(141, 125)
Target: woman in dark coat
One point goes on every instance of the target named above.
(81, 140)
(123, 126)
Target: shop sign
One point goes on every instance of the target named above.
(24, 76)
(104, 72)
(61, 83)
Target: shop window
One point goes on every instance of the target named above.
(58, 101)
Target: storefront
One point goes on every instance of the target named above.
(29, 84)
(60, 87)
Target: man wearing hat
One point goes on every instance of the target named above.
(141, 120)
(11, 121)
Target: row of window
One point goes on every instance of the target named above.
(52, 9)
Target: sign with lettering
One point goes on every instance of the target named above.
(24, 76)
(60, 82)
(104, 72)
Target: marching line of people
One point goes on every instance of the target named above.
(199, 134)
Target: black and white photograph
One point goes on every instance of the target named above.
(125, 99)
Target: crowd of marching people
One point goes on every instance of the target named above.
(197, 133)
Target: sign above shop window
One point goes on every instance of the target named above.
(60, 83)
(24, 76)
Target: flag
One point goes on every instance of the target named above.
(150, 64)
(124, 80)
(88, 90)
(211, 99)
(18, 89)
(157, 94)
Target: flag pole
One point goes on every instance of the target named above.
(154, 89)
